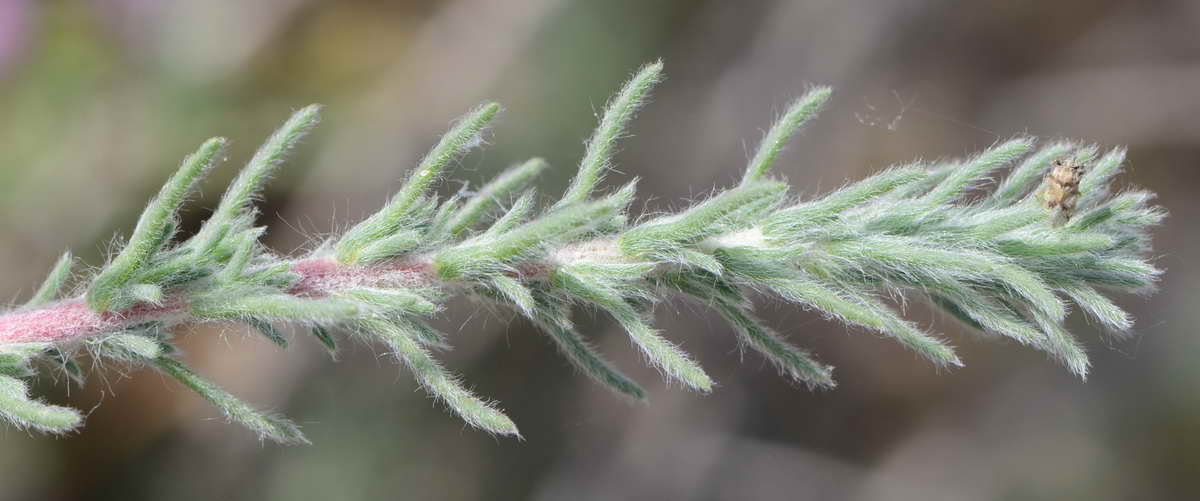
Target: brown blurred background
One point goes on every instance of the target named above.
(101, 99)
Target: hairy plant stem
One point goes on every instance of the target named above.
(71, 321)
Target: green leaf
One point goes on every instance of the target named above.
(15, 358)
(515, 215)
(804, 216)
(391, 301)
(503, 186)
(491, 255)
(322, 334)
(798, 364)
(597, 158)
(798, 113)
(107, 289)
(462, 137)
(586, 359)
(719, 213)
(23, 412)
(268, 331)
(52, 287)
(132, 347)
(437, 381)
(662, 353)
(236, 203)
(855, 308)
(233, 305)
(976, 169)
(268, 426)
(1029, 173)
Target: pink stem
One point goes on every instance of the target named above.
(71, 320)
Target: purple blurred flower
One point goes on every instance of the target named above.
(16, 20)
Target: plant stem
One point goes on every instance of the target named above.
(71, 320)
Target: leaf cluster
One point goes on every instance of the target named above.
(997, 262)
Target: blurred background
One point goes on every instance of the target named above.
(101, 99)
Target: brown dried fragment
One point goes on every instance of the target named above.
(1061, 190)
